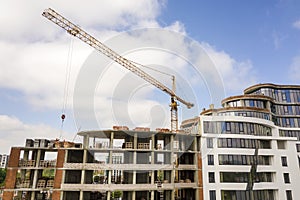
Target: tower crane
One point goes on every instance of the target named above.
(76, 31)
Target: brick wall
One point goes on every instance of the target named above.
(58, 174)
(200, 178)
(11, 174)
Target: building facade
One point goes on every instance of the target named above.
(247, 150)
(4, 160)
(131, 164)
(250, 146)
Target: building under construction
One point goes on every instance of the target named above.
(118, 163)
(247, 150)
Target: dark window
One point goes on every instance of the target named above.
(211, 177)
(284, 161)
(289, 195)
(286, 177)
(238, 142)
(210, 159)
(251, 128)
(244, 160)
(212, 195)
(209, 142)
(280, 144)
(229, 143)
(243, 143)
(224, 142)
(241, 127)
(228, 126)
(298, 147)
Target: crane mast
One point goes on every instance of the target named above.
(99, 46)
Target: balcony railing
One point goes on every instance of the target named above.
(26, 163)
(47, 163)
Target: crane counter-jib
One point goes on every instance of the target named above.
(99, 46)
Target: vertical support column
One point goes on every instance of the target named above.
(11, 173)
(85, 147)
(35, 176)
(174, 165)
(152, 162)
(82, 181)
(135, 146)
(59, 174)
(85, 142)
(32, 195)
(200, 181)
(108, 195)
(110, 161)
(152, 149)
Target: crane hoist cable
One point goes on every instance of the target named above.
(67, 83)
(76, 31)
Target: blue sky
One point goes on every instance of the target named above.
(249, 42)
(261, 31)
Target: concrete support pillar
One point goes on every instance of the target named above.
(85, 142)
(32, 195)
(111, 145)
(135, 146)
(35, 174)
(108, 195)
(152, 195)
(173, 162)
(152, 150)
(135, 141)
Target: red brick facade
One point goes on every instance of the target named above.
(58, 174)
(11, 174)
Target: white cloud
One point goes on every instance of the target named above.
(24, 21)
(236, 75)
(38, 70)
(34, 54)
(13, 132)
(296, 24)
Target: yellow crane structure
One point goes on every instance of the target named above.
(99, 46)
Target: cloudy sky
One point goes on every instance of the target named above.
(212, 47)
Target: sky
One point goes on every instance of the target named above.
(215, 49)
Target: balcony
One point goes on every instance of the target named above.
(47, 163)
(143, 145)
(45, 183)
(98, 166)
(26, 163)
(24, 184)
(125, 187)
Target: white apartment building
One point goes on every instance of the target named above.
(250, 147)
(3, 160)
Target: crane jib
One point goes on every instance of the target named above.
(76, 31)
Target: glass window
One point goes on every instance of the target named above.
(289, 195)
(212, 195)
(251, 128)
(286, 177)
(280, 144)
(241, 127)
(298, 147)
(224, 142)
(243, 143)
(210, 143)
(234, 142)
(211, 177)
(229, 142)
(210, 159)
(228, 126)
(284, 161)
